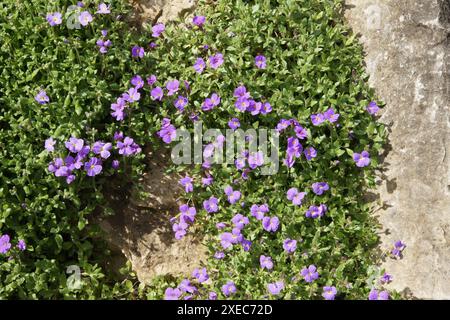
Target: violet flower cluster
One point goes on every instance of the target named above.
(187, 217)
(5, 244)
(245, 103)
(328, 115)
(188, 289)
(168, 132)
(90, 158)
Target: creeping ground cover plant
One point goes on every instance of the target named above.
(83, 94)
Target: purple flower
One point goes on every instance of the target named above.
(242, 104)
(137, 52)
(186, 286)
(187, 213)
(234, 123)
(233, 196)
(229, 288)
(103, 44)
(93, 167)
(320, 187)
(316, 211)
(361, 159)
(180, 229)
(211, 205)
(74, 145)
(246, 244)
(383, 295)
(331, 116)
(216, 60)
(259, 211)
(151, 80)
(240, 221)
(241, 92)
(199, 21)
(180, 103)
(168, 132)
(21, 245)
(254, 107)
(206, 181)
(128, 147)
(211, 102)
(265, 262)
(270, 224)
(399, 246)
(255, 159)
(300, 132)
(220, 225)
(186, 182)
(372, 108)
(212, 296)
(240, 163)
(42, 97)
(172, 294)
(137, 81)
(50, 144)
(289, 245)
(118, 135)
(386, 278)
(199, 65)
(310, 153)
(219, 255)
(329, 293)
(260, 62)
(102, 149)
(104, 32)
(54, 18)
(275, 288)
(103, 9)
(157, 93)
(295, 196)
(374, 295)
(317, 119)
(172, 87)
(310, 273)
(118, 110)
(115, 164)
(85, 18)
(266, 108)
(5, 245)
(227, 239)
(200, 275)
(282, 125)
(132, 95)
(157, 29)
(294, 148)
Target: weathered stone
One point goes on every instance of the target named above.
(152, 11)
(406, 44)
(141, 228)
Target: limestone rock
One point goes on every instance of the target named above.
(141, 228)
(407, 45)
(152, 11)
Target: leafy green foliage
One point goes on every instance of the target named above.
(312, 64)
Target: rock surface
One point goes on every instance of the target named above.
(141, 228)
(152, 11)
(407, 46)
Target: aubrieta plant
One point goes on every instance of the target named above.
(80, 104)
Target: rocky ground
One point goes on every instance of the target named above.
(407, 44)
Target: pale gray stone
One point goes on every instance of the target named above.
(406, 44)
